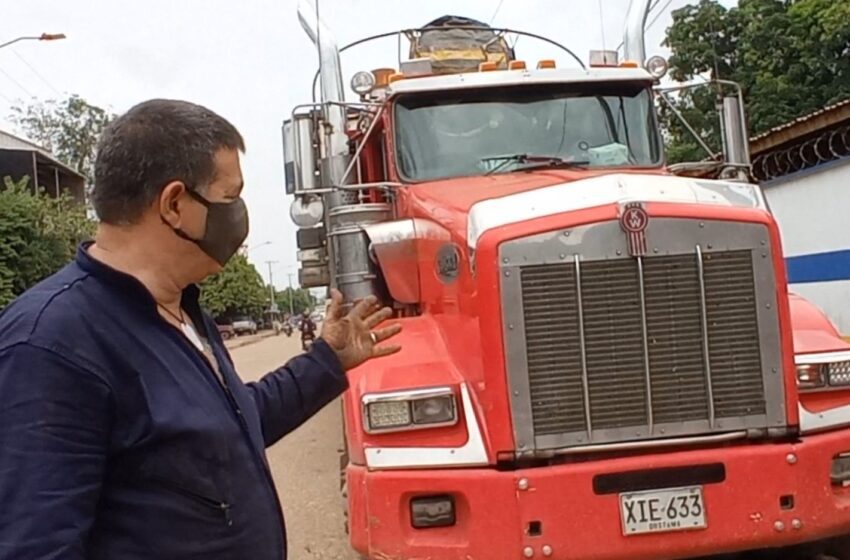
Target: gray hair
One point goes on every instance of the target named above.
(152, 144)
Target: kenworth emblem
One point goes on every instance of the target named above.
(634, 220)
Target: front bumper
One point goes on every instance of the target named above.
(745, 511)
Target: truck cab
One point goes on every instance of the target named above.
(599, 357)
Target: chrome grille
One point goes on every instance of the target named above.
(676, 340)
(643, 355)
(554, 348)
(733, 334)
(615, 372)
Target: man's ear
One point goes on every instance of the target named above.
(171, 202)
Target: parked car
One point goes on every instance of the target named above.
(226, 331)
(244, 325)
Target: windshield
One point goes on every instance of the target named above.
(459, 133)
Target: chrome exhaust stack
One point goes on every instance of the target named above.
(345, 254)
(335, 152)
(634, 35)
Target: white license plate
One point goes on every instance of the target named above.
(654, 511)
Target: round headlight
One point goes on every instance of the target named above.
(657, 66)
(362, 82)
(306, 212)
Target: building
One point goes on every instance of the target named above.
(19, 158)
(804, 167)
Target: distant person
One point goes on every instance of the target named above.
(125, 432)
(308, 330)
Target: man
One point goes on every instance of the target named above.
(125, 432)
(308, 329)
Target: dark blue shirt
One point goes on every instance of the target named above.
(119, 441)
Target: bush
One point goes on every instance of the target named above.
(236, 290)
(38, 236)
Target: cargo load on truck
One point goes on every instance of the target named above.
(457, 44)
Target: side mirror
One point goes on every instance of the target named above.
(288, 158)
(299, 153)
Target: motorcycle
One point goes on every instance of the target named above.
(308, 333)
(307, 339)
(287, 329)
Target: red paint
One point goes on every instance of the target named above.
(813, 333)
(458, 338)
(424, 363)
(577, 524)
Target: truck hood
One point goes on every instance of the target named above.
(471, 206)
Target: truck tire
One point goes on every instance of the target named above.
(838, 549)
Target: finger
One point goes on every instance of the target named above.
(381, 351)
(335, 306)
(361, 310)
(378, 317)
(387, 332)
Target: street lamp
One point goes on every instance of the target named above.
(257, 246)
(244, 250)
(42, 37)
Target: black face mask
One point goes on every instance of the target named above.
(225, 231)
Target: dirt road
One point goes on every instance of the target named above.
(305, 464)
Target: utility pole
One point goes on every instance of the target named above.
(291, 293)
(272, 303)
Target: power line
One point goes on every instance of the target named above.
(659, 14)
(17, 83)
(496, 12)
(651, 23)
(36, 72)
(652, 7)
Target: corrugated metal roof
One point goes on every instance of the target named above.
(801, 126)
(9, 141)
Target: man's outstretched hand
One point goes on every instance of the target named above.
(354, 337)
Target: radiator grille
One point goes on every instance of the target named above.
(632, 380)
(554, 348)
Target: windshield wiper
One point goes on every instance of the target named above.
(534, 162)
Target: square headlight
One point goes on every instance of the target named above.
(823, 371)
(388, 414)
(434, 410)
(407, 410)
(839, 373)
(811, 376)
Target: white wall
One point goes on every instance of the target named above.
(813, 211)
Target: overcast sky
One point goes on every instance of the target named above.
(250, 61)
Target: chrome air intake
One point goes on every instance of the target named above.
(605, 347)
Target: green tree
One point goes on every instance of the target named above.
(790, 58)
(237, 290)
(69, 128)
(301, 299)
(38, 235)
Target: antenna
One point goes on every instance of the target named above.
(318, 35)
(496, 11)
(602, 24)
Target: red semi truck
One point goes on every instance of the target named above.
(600, 357)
